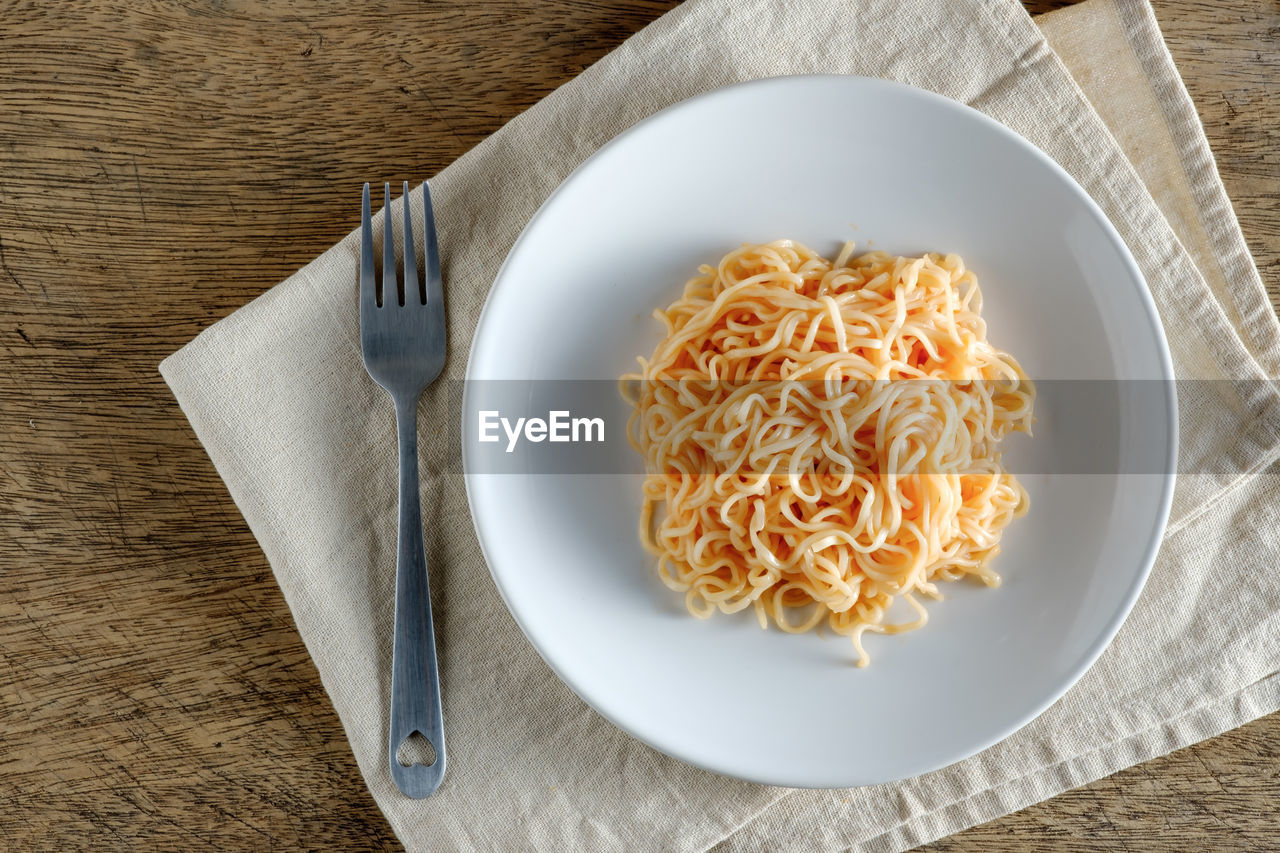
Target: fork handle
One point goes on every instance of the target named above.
(415, 682)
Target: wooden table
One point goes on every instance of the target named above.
(161, 166)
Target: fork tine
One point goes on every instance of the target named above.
(431, 264)
(390, 282)
(412, 285)
(368, 284)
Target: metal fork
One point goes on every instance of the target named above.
(403, 338)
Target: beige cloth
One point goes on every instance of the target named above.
(305, 442)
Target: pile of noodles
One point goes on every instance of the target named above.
(821, 438)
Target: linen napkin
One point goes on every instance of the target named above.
(305, 442)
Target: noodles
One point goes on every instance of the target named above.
(821, 439)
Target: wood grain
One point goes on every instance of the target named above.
(163, 164)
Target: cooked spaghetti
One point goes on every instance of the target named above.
(821, 438)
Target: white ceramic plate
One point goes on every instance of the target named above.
(823, 159)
